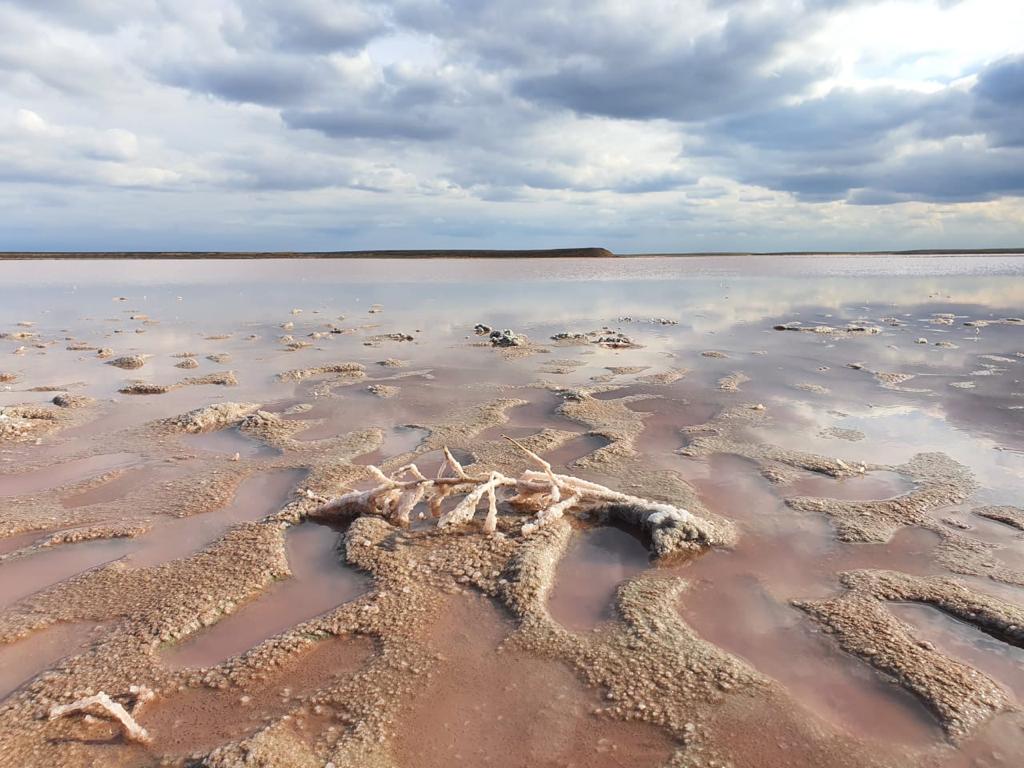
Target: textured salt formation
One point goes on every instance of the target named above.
(724, 434)
(26, 422)
(665, 377)
(210, 417)
(1012, 516)
(961, 697)
(733, 381)
(102, 702)
(848, 331)
(279, 433)
(72, 401)
(353, 370)
(561, 367)
(223, 379)
(383, 390)
(545, 494)
(839, 433)
(939, 481)
(128, 362)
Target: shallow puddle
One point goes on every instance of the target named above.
(503, 709)
(397, 441)
(228, 442)
(126, 482)
(19, 540)
(596, 562)
(257, 497)
(23, 659)
(957, 639)
(320, 581)
(739, 600)
(26, 575)
(200, 719)
(562, 457)
(743, 618)
(867, 487)
(63, 474)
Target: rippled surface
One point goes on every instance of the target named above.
(962, 395)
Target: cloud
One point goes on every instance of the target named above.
(373, 125)
(662, 125)
(999, 101)
(248, 79)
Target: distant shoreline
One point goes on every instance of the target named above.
(550, 253)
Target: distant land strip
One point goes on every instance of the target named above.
(546, 253)
(549, 253)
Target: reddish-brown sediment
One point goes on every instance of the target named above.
(492, 706)
(319, 581)
(63, 474)
(22, 660)
(200, 719)
(269, 640)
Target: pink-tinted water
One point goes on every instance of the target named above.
(257, 497)
(320, 581)
(13, 484)
(23, 659)
(124, 483)
(498, 708)
(397, 441)
(23, 576)
(227, 442)
(867, 487)
(596, 562)
(16, 542)
(740, 600)
(199, 719)
(1003, 662)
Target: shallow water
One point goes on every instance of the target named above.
(23, 659)
(202, 718)
(320, 581)
(820, 390)
(495, 707)
(24, 483)
(256, 497)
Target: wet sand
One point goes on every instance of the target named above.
(851, 591)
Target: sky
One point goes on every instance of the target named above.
(637, 125)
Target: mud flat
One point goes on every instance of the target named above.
(384, 540)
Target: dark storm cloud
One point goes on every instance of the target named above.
(959, 174)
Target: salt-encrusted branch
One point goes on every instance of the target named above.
(542, 493)
(102, 702)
